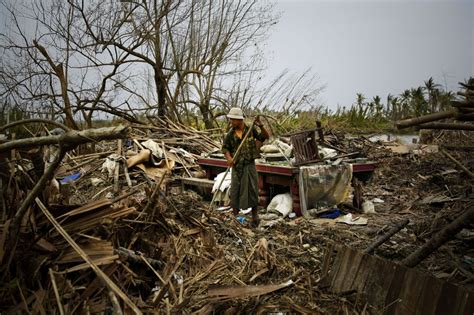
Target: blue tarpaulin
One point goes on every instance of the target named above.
(70, 178)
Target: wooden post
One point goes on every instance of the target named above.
(320, 130)
(117, 168)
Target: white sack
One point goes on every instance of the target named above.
(282, 203)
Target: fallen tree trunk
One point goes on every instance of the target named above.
(462, 103)
(69, 139)
(447, 126)
(425, 119)
(35, 120)
(446, 234)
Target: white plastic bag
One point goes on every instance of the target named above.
(282, 203)
(110, 163)
(154, 147)
(368, 207)
(225, 181)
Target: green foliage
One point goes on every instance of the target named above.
(374, 115)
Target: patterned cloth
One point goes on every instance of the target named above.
(249, 150)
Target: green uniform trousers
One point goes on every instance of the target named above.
(244, 185)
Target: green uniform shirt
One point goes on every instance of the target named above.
(249, 150)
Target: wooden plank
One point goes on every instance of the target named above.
(391, 288)
(221, 292)
(200, 182)
(451, 300)
(378, 282)
(410, 292)
(346, 263)
(329, 256)
(87, 207)
(468, 307)
(430, 293)
(354, 268)
(393, 293)
(333, 269)
(93, 219)
(365, 269)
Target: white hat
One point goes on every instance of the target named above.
(235, 113)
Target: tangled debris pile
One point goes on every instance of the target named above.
(119, 234)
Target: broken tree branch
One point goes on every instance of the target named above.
(71, 138)
(36, 120)
(447, 233)
(449, 156)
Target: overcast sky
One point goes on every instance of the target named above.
(374, 47)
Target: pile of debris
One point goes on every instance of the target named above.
(113, 231)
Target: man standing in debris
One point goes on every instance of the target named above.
(244, 180)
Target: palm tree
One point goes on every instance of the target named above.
(389, 102)
(360, 98)
(433, 93)
(419, 104)
(405, 100)
(377, 106)
(395, 104)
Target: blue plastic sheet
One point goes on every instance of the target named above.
(70, 178)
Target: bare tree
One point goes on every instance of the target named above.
(192, 47)
(204, 56)
(49, 61)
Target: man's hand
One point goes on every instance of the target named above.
(229, 158)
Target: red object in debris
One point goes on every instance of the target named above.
(286, 176)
